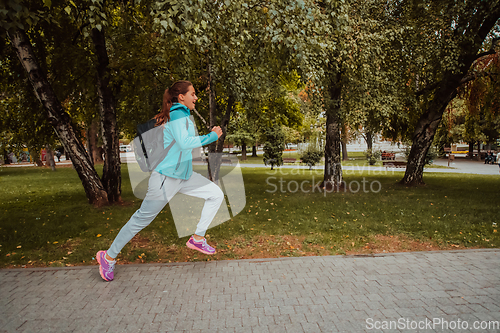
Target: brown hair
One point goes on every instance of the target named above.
(169, 98)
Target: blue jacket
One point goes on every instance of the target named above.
(178, 162)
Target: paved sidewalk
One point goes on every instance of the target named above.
(459, 165)
(307, 294)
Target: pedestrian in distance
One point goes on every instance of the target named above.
(498, 159)
(174, 174)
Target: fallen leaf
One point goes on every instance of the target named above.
(98, 235)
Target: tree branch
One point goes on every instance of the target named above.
(470, 76)
(79, 32)
(473, 76)
(430, 87)
(490, 51)
(202, 119)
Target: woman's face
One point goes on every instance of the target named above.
(189, 99)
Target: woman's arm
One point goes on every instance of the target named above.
(185, 141)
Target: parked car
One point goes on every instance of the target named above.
(125, 148)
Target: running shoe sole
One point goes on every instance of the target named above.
(98, 257)
(191, 246)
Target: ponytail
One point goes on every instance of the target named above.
(169, 98)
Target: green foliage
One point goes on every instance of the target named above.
(431, 155)
(242, 131)
(90, 13)
(274, 146)
(372, 156)
(311, 155)
(436, 39)
(19, 14)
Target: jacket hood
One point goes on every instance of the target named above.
(179, 110)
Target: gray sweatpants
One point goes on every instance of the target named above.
(160, 190)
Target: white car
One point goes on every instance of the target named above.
(125, 148)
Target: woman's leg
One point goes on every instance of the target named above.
(160, 190)
(200, 187)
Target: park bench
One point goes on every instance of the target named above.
(289, 160)
(388, 156)
(394, 164)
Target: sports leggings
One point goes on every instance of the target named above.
(160, 190)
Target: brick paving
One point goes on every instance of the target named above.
(306, 294)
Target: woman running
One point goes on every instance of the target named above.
(174, 174)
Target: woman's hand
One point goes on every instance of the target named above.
(217, 131)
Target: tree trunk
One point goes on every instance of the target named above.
(224, 123)
(220, 142)
(471, 150)
(254, 151)
(369, 140)
(333, 169)
(243, 151)
(92, 135)
(111, 175)
(214, 159)
(35, 157)
(422, 140)
(444, 92)
(59, 119)
(49, 157)
(345, 157)
(478, 151)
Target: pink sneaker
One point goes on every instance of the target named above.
(201, 246)
(106, 268)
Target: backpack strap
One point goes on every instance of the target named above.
(143, 128)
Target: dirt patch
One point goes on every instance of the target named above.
(262, 247)
(399, 243)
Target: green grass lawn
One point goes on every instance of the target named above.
(46, 220)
